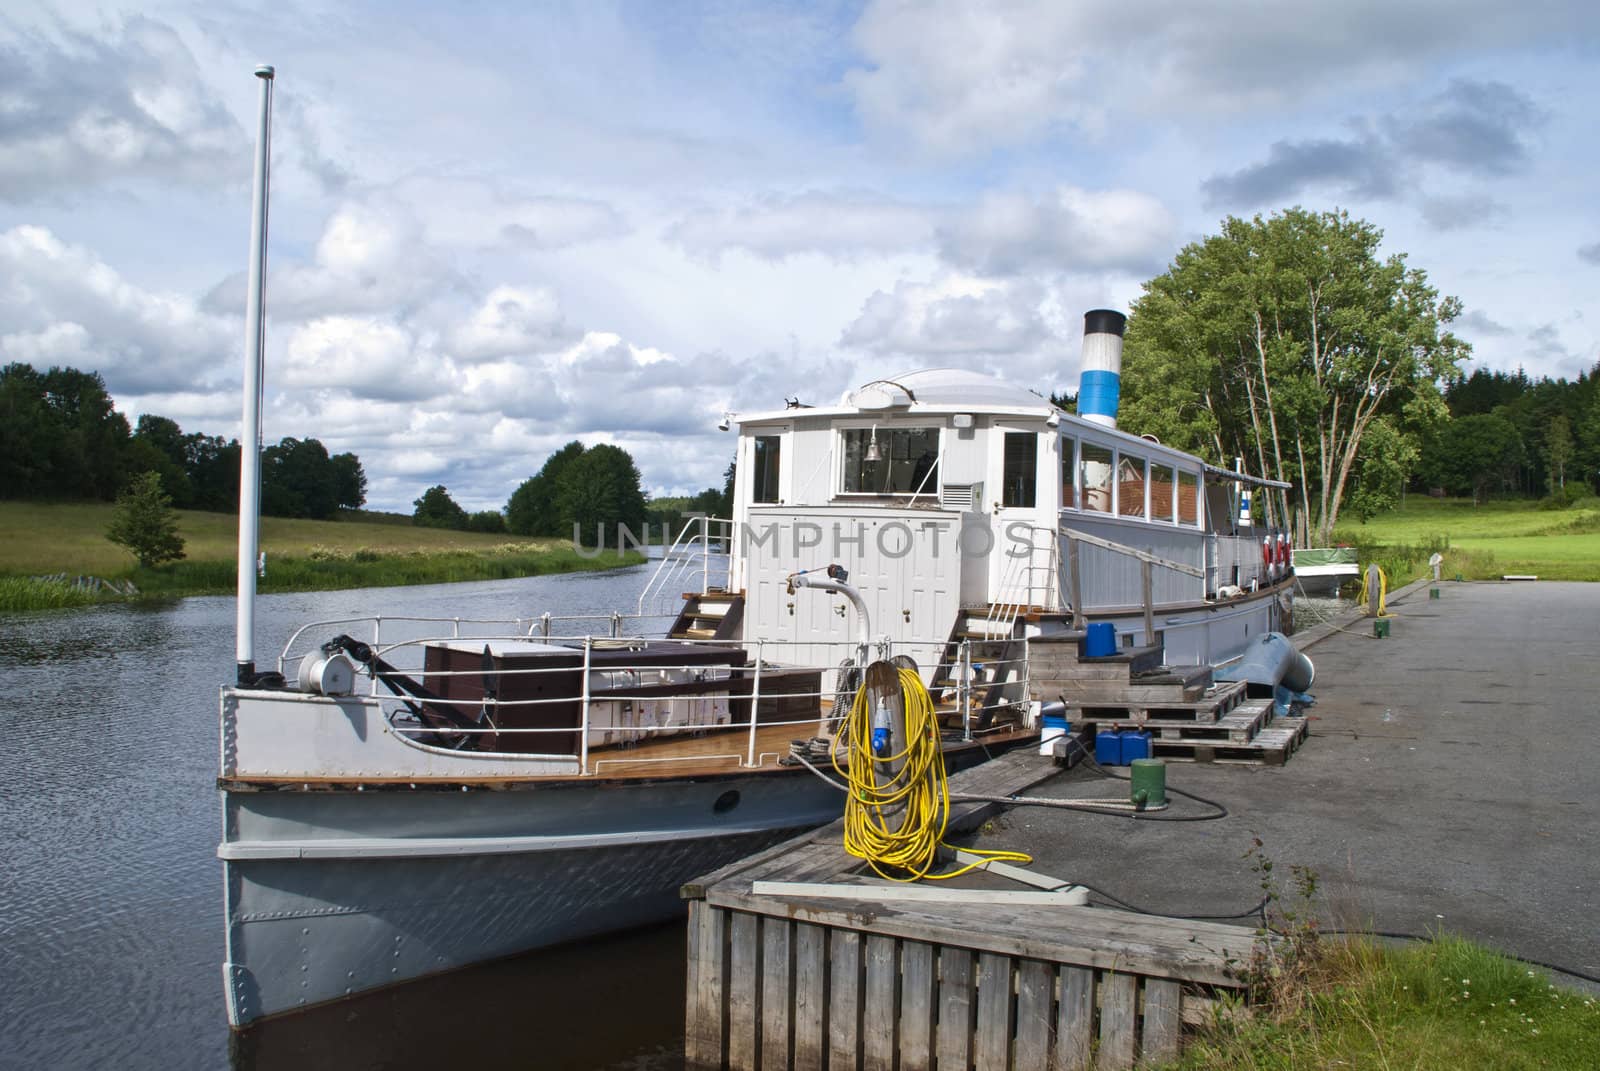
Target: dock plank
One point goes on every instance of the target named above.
(954, 1040)
(1119, 994)
(1159, 1042)
(810, 996)
(1075, 1019)
(777, 967)
(844, 998)
(880, 1006)
(992, 1043)
(703, 1037)
(916, 1006)
(744, 954)
(1035, 995)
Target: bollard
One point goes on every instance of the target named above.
(1433, 593)
(1380, 628)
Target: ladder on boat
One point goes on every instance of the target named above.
(709, 615)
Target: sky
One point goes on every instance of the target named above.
(498, 227)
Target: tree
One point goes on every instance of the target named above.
(436, 509)
(1477, 453)
(1283, 340)
(145, 522)
(600, 490)
(532, 508)
(158, 446)
(349, 481)
(1558, 449)
(1387, 458)
(489, 520)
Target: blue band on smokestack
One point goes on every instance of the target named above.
(1098, 392)
(1100, 378)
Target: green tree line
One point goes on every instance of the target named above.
(61, 439)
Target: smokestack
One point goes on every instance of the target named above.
(1100, 381)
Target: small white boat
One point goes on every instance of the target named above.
(402, 797)
(1323, 570)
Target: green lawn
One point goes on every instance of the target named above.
(1482, 542)
(46, 539)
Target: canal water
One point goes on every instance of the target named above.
(111, 894)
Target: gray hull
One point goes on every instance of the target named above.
(333, 893)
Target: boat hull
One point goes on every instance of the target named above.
(330, 893)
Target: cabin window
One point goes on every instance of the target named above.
(1130, 486)
(1188, 499)
(907, 461)
(1163, 491)
(1069, 472)
(1021, 477)
(764, 460)
(1094, 477)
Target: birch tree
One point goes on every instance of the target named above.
(1282, 340)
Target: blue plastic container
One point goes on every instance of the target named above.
(1100, 641)
(1134, 744)
(1108, 747)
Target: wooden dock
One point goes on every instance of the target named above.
(827, 980)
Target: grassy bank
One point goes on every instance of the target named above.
(1445, 1003)
(38, 539)
(1481, 542)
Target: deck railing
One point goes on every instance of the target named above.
(699, 556)
(612, 692)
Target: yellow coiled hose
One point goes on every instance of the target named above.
(1383, 593)
(917, 799)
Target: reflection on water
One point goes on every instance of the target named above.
(110, 890)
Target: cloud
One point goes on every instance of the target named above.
(954, 77)
(949, 318)
(76, 111)
(367, 355)
(1362, 168)
(1478, 322)
(473, 212)
(1451, 213)
(961, 77)
(512, 320)
(1066, 229)
(1477, 128)
(63, 305)
(1590, 253)
(841, 225)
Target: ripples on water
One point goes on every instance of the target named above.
(110, 890)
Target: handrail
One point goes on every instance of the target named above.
(1133, 552)
(692, 547)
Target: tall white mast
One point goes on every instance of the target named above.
(250, 439)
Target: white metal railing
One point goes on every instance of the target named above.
(701, 555)
(621, 685)
(1026, 581)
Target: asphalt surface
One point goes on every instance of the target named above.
(1448, 785)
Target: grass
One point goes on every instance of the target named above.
(1481, 542)
(1444, 1003)
(302, 555)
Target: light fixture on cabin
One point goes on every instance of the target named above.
(873, 453)
(725, 422)
(1053, 420)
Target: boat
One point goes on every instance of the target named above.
(1324, 570)
(404, 796)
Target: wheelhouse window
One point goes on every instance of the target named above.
(1020, 479)
(1094, 477)
(1188, 499)
(764, 461)
(890, 461)
(1163, 491)
(1069, 472)
(1130, 486)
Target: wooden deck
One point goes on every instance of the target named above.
(802, 982)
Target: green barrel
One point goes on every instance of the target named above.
(1149, 782)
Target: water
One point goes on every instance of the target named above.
(110, 889)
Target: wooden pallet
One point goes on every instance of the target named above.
(1270, 747)
(1217, 701)
(1239, 727)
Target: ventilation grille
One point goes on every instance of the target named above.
(963, 496)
